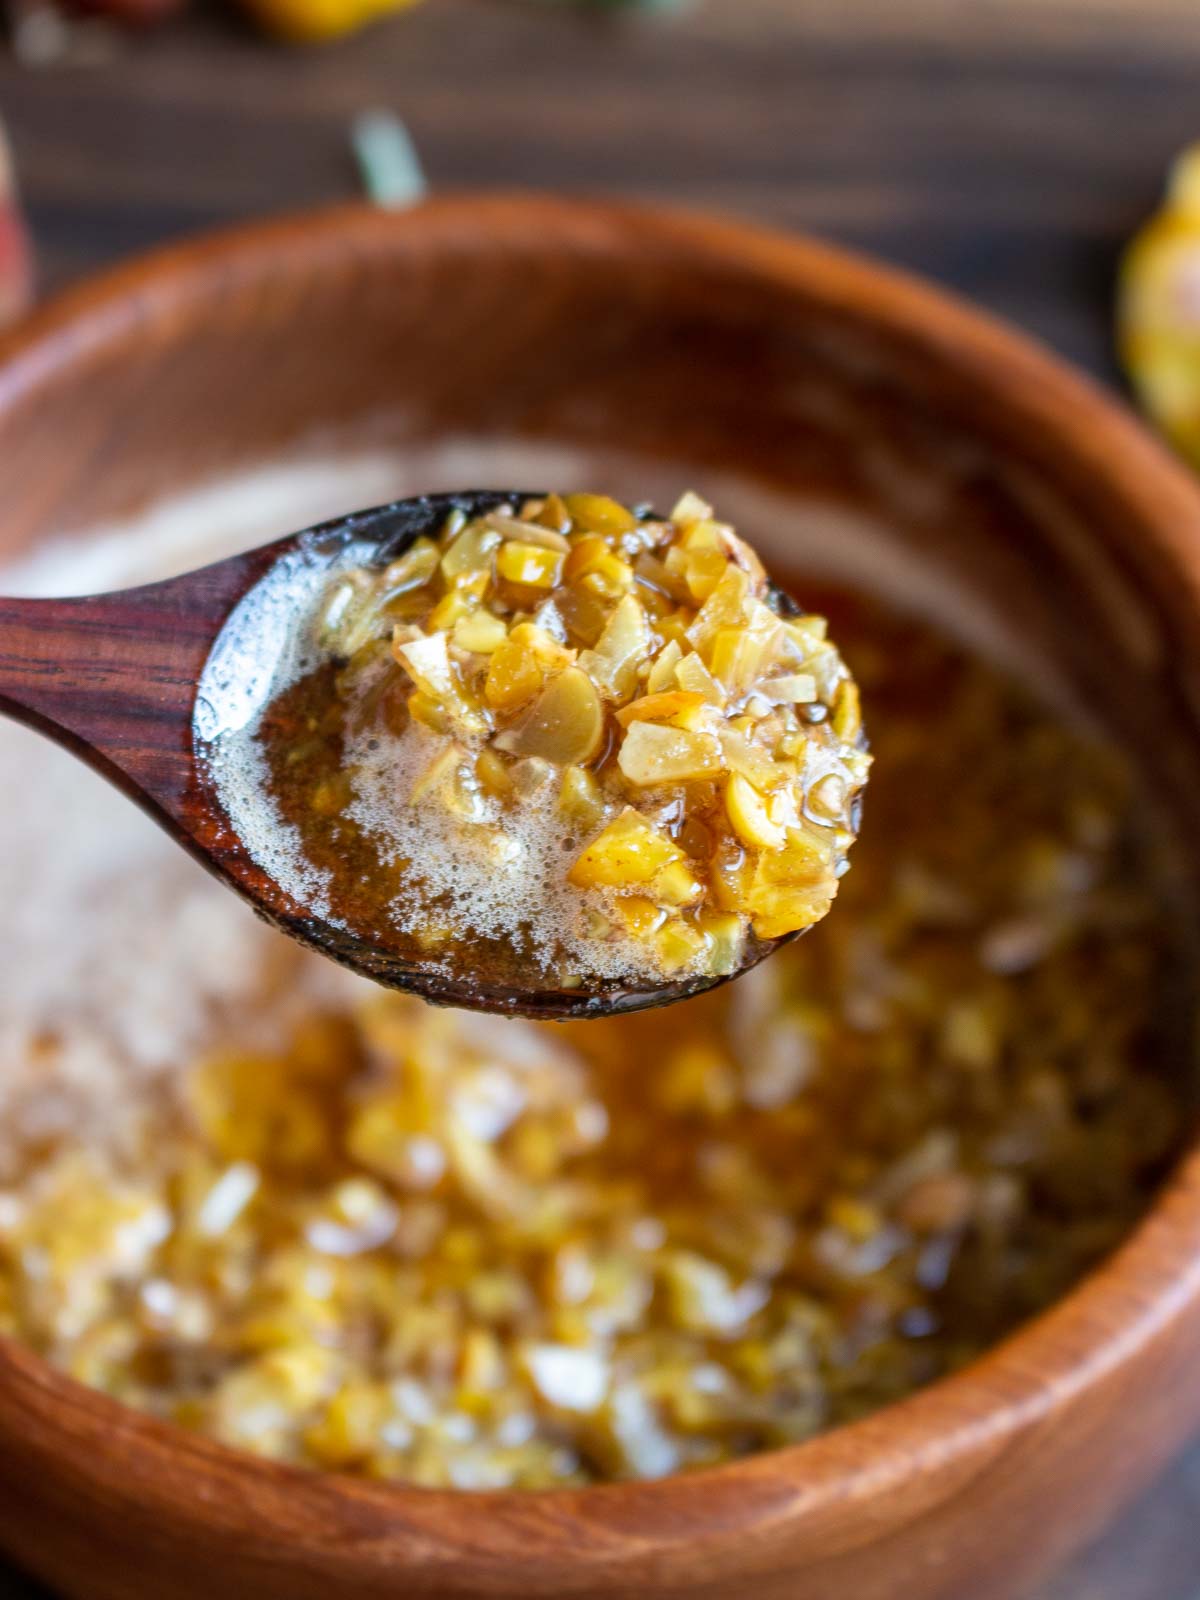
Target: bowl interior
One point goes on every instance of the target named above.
(854, 430)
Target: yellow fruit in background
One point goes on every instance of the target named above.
(1159, 309)
(309, 21)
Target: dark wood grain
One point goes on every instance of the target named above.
(113, 677)
(1006, 149)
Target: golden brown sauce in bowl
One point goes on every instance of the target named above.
(840, 398)
(459, 1251)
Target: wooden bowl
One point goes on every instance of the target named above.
(655, 347)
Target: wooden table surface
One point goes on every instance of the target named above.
(1006, 147)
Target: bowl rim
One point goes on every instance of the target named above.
(1114, 1312)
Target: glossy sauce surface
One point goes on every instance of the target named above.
(555, 744)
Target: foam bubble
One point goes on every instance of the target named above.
(267, 645)
(484, 870)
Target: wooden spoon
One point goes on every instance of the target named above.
(140, 682)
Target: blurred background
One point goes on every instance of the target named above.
(1009, 148)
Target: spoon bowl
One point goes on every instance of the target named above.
(143, 683)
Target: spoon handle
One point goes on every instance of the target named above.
(113, 676)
